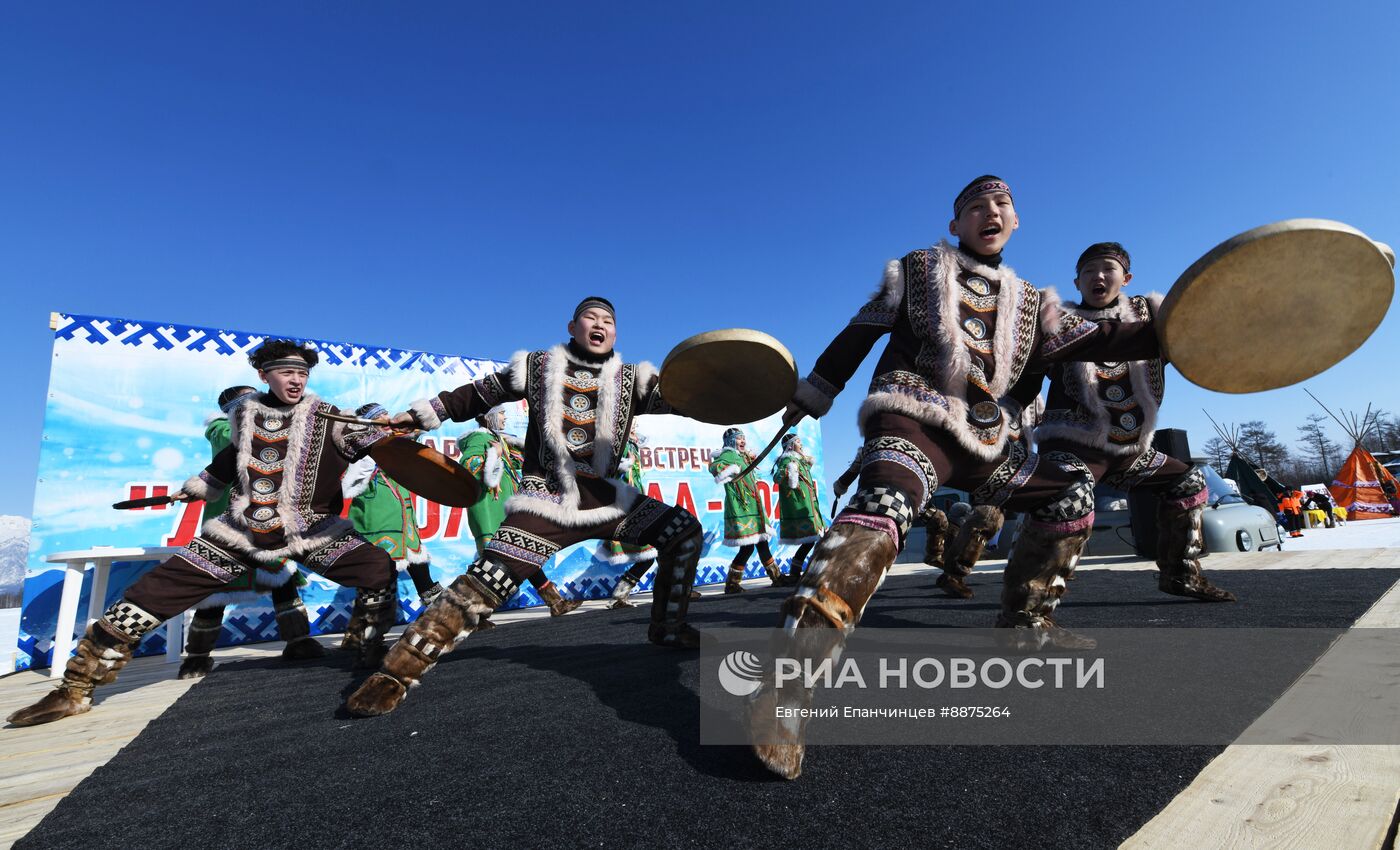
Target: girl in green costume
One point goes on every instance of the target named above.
(745, 525)
(800, 521)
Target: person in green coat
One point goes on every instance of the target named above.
(284, 584)
(382, 512)
(494, 459)
(800, 521)
(745, 525)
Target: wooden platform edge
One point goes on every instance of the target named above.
(1281, 796)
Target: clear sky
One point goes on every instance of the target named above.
(453, 176)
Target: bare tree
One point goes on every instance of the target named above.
(1263, 445)
(1383, 433)
(1219, 453)
(1319, 451)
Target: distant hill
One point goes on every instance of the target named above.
(14, 553)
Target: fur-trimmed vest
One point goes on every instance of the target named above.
(282, 470)
(962, 335)
(581, 411)
(1111, 407)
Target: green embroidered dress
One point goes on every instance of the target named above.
(744, 522)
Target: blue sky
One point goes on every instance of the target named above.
(452, 177)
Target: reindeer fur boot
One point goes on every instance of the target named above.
(102, 652)
(456, 613)
(959, 559)
(848, 565)
(295, 626)
(1178, 554)
(671, 593)
(558, 605)
(200, 639)
(380, 612)
(1035, 579)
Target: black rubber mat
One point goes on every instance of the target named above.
(576, 732)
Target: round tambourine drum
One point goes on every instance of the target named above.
(426, 472)
(729, 377)
(1275, 305)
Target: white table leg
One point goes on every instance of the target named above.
(67, 616)
(98, 596)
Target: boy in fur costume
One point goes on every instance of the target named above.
(800, 521)
(582, 400)
(1102, 416)
(283, 469)
(494, 459)
(208, 622)
(745, 524)
(965, 331)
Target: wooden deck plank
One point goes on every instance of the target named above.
(1283, 796)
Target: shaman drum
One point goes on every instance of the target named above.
(1275, 305)
(425, 471)
(729, 377)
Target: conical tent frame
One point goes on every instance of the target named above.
(1362, 497)
(1249, 491)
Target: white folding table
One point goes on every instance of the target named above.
(101, 558)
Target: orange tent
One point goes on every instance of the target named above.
(1365, 488)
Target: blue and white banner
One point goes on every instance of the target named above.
(125, 418)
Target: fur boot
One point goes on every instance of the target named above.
(380, 611)
(671, 592)
(355, 627)
(426, 596)
(293, 625)
(1035, 579)
(624, 588)
(558, 605)
(1178, 554)
(959, 559)
(847, 567)
(456, 613)
(775, 575)
(731, 581)
(203, 634)
(102, 652)
(936, 536)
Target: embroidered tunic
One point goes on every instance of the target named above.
(967, 350)
(580, 407)
(744, 522)
(282, 470)
(799, 511)
(1107, 406)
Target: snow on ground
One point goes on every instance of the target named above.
(9, 638)
(1361, 534)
